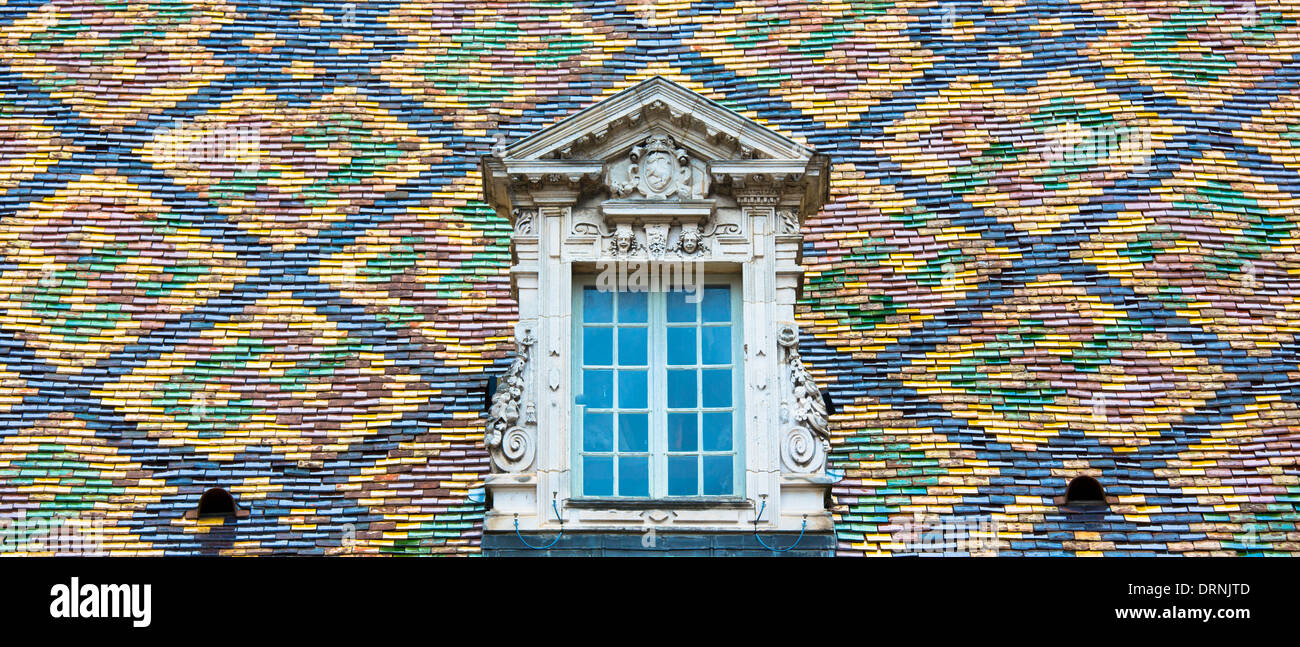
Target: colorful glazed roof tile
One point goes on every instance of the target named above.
(242, 246)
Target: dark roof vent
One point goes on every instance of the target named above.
(216, 503)
(1083, 493)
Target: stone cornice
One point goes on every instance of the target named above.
(657, 210)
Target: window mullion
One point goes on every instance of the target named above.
(698, 456)
(576, 371)
(737, 387)
(658, 377)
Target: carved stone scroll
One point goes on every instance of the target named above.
(789, 220)
(510, 443)
(524, 221)
(805, 444)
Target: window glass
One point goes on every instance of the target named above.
(717, 304)
(632, 346)
(597, 346)
(717, 431)
(681, 476)
(597, 306)
(659, 399)
(681, 346)
(632, 390)
(598, 432)
(682, 432)
(633, 476)
(633, 432)
(717, 387)
(682, 307)
(598, 476)
(681, 389)
(598, 388)
(717, 475)
(715, 344)
(633, 307)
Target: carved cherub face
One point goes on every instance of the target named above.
(690, 241)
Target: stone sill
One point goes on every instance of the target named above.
(664, 543)
(691, 503)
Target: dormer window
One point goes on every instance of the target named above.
(657, 377)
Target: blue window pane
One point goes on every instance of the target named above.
(633, 307)
(632, 389)
(598, 346)
(717, 475)
(681, 476)
(631, 346)
(681, 432)
(633, 476)
(681, 346)
(682, 306)
(597, 306)
(717, 304)
(717, 431)
(633, 432)
(597, 432)
(681, 389)
(717, 387)
(598, 475)
(597, 389)
(715, 344)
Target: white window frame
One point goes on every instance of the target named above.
(656, 350)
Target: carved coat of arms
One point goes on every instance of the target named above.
(659, 169)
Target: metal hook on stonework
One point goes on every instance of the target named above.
(556, 509)
(759, 517)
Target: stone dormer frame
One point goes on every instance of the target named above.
(656, 173)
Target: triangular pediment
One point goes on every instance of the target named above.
(611, 127)
(656, 141)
